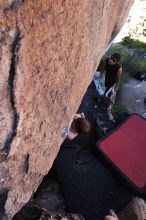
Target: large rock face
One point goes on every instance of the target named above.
(49, 52)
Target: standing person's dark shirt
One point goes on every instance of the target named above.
(111, 73)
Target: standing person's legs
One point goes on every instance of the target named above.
(109, 112)
(111, 101)
(110, 93)
(107, 96)
(110, 105)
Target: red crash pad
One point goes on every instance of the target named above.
(125, 149)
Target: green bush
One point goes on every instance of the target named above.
(141, 65)
(128, 42)
(126, 59)
(133, 43)
(131, 51)
(131, 65)
(132, 59)
(118, 109)
(125, 77)
(115, 47)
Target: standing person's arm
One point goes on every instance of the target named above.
(119, 75)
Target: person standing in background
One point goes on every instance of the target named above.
(113, 75)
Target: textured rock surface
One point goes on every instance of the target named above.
(6, 111)
(136, 210)
(49, 52)
(36, 213)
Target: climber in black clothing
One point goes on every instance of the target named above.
(88, 187)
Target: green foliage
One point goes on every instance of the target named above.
(133, 43)
(128, 42)
(132, 59)
(133, 64)
(118, 109)
(141, 65)
(126, 59)
(114, 48)
(125, 77)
